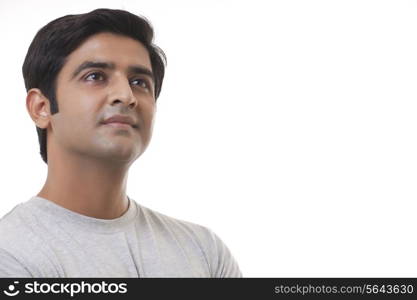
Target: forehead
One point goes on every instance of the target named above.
(121, 50)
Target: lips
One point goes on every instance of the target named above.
(121, 119)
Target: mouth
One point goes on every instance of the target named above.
(121, 121)
(120, 125)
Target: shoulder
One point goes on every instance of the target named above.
(163, 223)
(18, 238)
(12, 240)
(10, 266)
(11, 226)
(217, 254)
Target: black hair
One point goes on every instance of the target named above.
(53, 43)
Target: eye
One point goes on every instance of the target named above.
(94, 76)
(141, 82)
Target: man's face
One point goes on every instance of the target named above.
(87, 96)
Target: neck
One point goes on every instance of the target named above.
(87, 186)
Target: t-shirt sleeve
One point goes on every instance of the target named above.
(11, 267)
(223, 263)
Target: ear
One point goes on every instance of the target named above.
(38, 108)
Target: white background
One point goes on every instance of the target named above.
(287, 127)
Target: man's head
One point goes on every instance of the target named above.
(90, 67)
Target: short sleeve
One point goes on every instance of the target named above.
(10, 267)
(223, 264)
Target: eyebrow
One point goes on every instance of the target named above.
(136, 69)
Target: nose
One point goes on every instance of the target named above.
(121, 91)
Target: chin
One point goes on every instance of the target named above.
(119, 154)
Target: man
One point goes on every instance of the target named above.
(92, 81)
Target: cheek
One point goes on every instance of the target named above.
(77, 116)
(148, 115)
(82, 107)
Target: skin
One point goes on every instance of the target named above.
(88, 162)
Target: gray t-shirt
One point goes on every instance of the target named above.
(39, 238)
